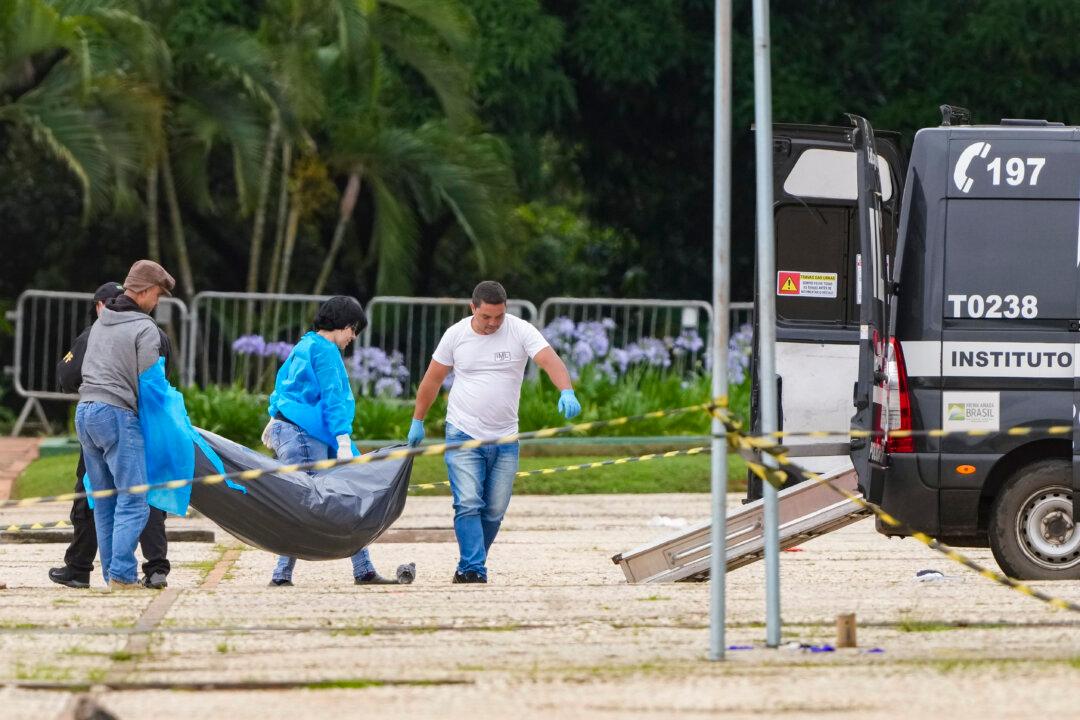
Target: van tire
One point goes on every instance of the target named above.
(1031, 531)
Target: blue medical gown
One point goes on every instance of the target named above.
(312, 390)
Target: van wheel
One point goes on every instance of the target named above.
(1032, 532)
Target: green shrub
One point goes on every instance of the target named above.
(229, 411)
(385, 419)
(240, 416)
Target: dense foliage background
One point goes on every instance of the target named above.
(563, 146)
(414, 146)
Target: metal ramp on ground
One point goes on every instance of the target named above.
(807, 510)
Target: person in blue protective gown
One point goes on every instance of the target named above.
(312, 409)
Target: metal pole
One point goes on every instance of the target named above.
(720, 329)
(766, 276)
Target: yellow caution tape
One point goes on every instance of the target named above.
(753, 447)
(55, 525)
(426, 450)
(583, 466)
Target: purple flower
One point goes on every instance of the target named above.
(655, 352)
(740, 350)
(619, 358)
(559, 333)
(280, 349)
(581, 354)
(595, 334)
(249, 345)
(688, 342)
(385, 375)
(388, 387)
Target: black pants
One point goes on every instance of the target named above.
(80, 554)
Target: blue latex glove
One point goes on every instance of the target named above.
(568, 404)
(416, 432)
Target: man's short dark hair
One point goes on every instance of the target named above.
(489, 292)
(341, 312)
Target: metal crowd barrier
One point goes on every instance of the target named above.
(635, 319)
(47, 323)
(741, 313)
(413, 326)
(219, 319)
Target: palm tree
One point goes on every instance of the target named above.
(60, 82)
(305, 36)
(423, 175)
(214, 90)
(442, 167)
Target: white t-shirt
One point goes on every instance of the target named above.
(488, 370)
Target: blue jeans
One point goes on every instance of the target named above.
(292, 445)
(481, 480)
(112, 444)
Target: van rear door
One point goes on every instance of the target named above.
(818, 252)
(875, 286)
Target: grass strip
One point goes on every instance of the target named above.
(56, 474)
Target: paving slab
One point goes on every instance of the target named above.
(556, 633)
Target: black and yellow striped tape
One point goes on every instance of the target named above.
(583, 466)
(51, 525)
(1017, 431)
(426, 486)
(751, 449)
(426, 450)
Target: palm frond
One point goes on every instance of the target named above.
(207, 117)
(237, 55)
(31, 34)
(393, 239)
(445, 73)
(70, 132)
(352, 26)
(450, 21)
(131, 46)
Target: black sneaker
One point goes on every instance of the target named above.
(470, 576)
(155, 581)
(373, 578)
(281, 583)
(67, 576)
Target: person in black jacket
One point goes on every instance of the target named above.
(79, 558)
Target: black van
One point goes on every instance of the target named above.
(940, 294)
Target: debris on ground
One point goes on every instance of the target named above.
(668, 522)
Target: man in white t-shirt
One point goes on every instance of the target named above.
(488, 352)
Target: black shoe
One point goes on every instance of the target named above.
(373, 578)
(67, 576)
(469, 577)
(155, 581)
(281, 583)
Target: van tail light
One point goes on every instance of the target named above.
(899, 401)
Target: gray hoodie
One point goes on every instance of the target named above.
(123, 343)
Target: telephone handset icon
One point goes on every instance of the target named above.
(972, 151)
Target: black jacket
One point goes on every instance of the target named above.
(69, 369)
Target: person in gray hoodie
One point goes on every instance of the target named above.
(123, 343)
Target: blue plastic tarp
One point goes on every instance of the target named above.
(170, 441)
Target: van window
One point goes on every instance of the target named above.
(832, 175)
(820, 242)
(813, 247)
(1012, 260)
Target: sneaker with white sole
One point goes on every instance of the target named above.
(116, 585)
(155, 581)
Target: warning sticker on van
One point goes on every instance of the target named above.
(971, 411)
(806, 284)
